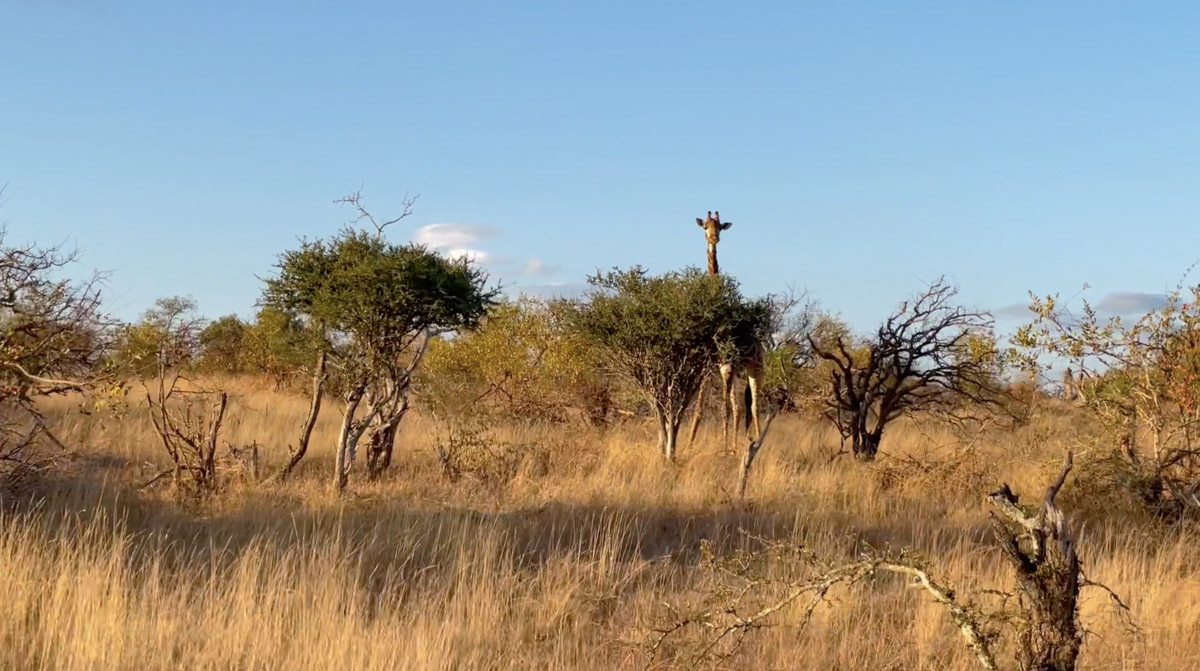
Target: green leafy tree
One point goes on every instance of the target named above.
(663, 334)
(222, 346)
(168, 334)
(521, 362)
(137, 348)
(792, 371)
(279, 346)
(378, 305)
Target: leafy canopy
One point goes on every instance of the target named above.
(377, 293)
(663, 333)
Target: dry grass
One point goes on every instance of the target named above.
(565, 566)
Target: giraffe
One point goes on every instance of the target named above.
(747, 361)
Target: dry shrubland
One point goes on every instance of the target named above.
(558, 547)
(509, 488)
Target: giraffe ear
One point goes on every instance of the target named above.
(725, 226)
(699, 222)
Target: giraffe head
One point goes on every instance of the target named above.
(712, 227)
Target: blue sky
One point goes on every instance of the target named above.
(861, 149)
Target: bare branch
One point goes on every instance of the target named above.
(929, 355)
(354, 200)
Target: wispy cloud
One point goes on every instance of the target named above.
(465, 241)
(1130, 303)
(535, 268)
(453, 236)
(1117, 303)
(1014, 311)
(472, 255)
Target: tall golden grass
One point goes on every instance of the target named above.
(567, 565)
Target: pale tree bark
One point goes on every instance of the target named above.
(669, 421)
(386, 404)
(295, 454)
(1042, 551)
(672, 429)
(390, 407)
(750, 454)
(349, 435)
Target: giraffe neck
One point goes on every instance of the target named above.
(713, 268)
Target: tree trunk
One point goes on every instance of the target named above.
(1050, 641)
(749, 455)
(209, 462)
(865, 444)
(1041, 550)
(314, 410)
(380, 445)
(672, 429)
(347, 436)
(751, 407)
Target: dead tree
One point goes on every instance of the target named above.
(753, 590)
(749, 455)
(1042, 551)
(53, 337)
(188, 420)
(297, 452)
(929, 355)
(188, 423)
(777, 401)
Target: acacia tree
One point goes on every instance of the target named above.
(663, 334)
(222, 343)
(377, 305)
(279, 346)
(930, 355)
(170, 329)
(53, 336)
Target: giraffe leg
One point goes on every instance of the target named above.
(726, 400)
(699, 409)
(752, 381)
(736, 400)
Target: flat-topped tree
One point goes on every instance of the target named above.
(663, 334)
(379, 304)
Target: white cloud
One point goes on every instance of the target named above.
(453, 236)
(535, 268)
(472, 255)
(462, 241)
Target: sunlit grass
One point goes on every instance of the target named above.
(566, 566)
